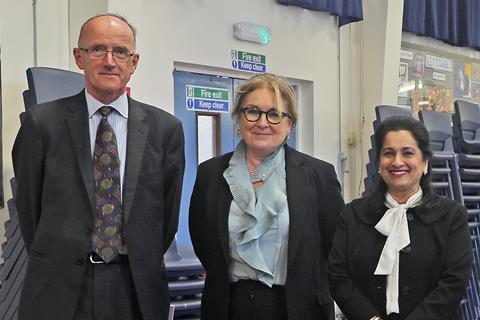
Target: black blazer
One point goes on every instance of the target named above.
(314, 202)
(55, 201)
(434, 268)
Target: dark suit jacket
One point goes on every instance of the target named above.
(55, 201)
(434, 268)
(314, 203)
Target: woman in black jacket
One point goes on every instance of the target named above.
(402, 252)
(262, 218)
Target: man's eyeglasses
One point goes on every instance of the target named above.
(253, 114)
(99, 53)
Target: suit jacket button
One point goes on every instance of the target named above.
(405, 290)
(407, 249)
(79, 262)
(88, 231)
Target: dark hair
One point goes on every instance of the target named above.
(114, 15)
(420, 134)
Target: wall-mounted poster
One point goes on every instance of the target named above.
(475, 88)
(462, 77)
(419, 66)
(476, 72)
(429, 80)
(432, 98)
(403, 78)
(403, 73)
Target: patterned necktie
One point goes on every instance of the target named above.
(107, 238)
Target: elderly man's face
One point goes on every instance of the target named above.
(106, 78)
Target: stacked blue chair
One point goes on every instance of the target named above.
(44, 84)
(466, 126)
(47, 84)
(439, 126)
(13, 269)
(382, 112)
(466, 129)
(186, 278)
(444, 165)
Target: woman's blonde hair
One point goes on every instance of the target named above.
(284, 93)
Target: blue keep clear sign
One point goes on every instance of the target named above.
(247, 61)
(207, 99)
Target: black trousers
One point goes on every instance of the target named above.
(108, 293)
(253, 300)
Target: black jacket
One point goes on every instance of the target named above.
(314, 202)
(55, 200)
(434, 268)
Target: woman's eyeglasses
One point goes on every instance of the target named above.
(253, 114)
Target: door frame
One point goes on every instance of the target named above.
(305, 125)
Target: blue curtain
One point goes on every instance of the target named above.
(347, 10)
(456, 22)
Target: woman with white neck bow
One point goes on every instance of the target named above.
(403, 252)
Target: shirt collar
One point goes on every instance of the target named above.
(120, 104)
(265, 169)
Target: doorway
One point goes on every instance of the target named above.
(203, 104)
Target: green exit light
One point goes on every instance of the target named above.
(252, 32)
(264, 33)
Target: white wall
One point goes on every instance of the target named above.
(303, 46)
(369, 63)
(78, 12)
(17, 54)
(16, 43)
(52, 33)
(351, 111)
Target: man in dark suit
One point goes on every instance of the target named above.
(99, 180)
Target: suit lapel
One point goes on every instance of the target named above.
(77, 123)
(136, 140)
(297, 201)
(224, 202)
